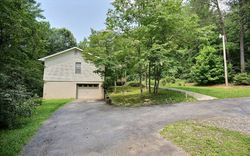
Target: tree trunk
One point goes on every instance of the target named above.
(242, 51)
(141, 81)
(155, 78)
(115, 83)
(158, 79)
(146, 79)
(140, 68)
(149, 77)
(105, 83)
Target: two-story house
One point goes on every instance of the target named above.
(68, 75)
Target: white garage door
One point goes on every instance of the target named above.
(89, 92)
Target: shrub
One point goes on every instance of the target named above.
(242, 79)
(168, 79)
(15, 102)
(209, 67)
(134, 84)
(180, 82)
(164, 82)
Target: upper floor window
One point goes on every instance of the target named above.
(78, 68)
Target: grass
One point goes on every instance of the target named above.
(131, 97)
(13, 140)
(219, 92)
(200, 139)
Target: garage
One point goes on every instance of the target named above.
(92, 91)
(68, 75)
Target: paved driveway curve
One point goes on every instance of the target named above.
(93, 128)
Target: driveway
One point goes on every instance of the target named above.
(94, 128)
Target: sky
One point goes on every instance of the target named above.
(79, 16)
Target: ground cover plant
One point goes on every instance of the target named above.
(131, 97)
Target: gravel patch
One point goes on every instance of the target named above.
(241, 124)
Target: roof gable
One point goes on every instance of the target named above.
(59, 53)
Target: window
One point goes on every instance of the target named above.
(78, 68)
(88, 85)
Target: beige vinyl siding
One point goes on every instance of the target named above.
(59, 90)
(65, 90)
(62, 68)
(61, 79)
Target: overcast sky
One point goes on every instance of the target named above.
(79, 16)
(76, 15)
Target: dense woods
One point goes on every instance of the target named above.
(158, 40)
(24, 38)
(145, 40)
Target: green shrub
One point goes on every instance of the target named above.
(180, 82)
(134, 84)
(168, 79)
(242, 79)
(209, 67)
(15, 102)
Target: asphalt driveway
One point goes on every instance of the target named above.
(94, 128)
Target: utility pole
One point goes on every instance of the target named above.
(225, 59)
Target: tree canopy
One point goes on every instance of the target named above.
(144, 41)
(24, 38)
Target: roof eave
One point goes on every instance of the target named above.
(58, 53)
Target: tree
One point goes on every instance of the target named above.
(209, 67)
(242, 34)
(99, 50)
(21, 44)
(168, 26)
(202, 8)
(60, 39)
(165, 38)
(237, 23)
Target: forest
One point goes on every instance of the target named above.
(148, 41)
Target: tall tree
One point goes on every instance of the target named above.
(239, 17)
(159, 31)
(22, 42)
(60, 39)
(242, 34)
(203, 10)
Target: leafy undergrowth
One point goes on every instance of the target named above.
(200, 139)
(220, 92)
(131, 97)
(13, 140)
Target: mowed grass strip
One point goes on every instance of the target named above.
(131, 97)
(13, 140)
(220, 92)
(200, 139)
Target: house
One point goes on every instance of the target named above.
(68, 75)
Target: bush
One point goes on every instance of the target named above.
(209, 67)
(134, 84)
(180, 82)
(15, 102)
(168, 79)
(242, 79)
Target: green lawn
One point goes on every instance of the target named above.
(200, 139)
(12, 141)
(131, 97)
(219, 92)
